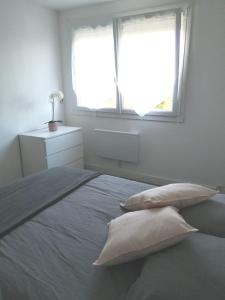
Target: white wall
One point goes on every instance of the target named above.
(190, 151)
(29, 71)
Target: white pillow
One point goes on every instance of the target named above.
(136, 234)
(179, 195)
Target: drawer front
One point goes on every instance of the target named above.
(77, 164)
(63, 142)
(65, 157)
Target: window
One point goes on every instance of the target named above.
(94, 67)
(132, 65)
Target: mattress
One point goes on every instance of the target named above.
(51, 255)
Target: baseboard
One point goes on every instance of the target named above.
(137, 176)
(142, 177)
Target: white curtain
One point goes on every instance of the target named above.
(147, 62)
(93, 67)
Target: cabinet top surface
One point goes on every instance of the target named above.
(45, 134)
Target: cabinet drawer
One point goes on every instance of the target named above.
(63, 142)
(65, 157)
(77, 164)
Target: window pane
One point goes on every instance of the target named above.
(182, 48)
(94, 68)
(147, 62)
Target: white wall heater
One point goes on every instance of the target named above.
(118, 145)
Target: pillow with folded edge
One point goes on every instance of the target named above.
(137, 234)
(179, 195)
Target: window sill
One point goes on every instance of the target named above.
(166, 117)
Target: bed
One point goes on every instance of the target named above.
(53, 226)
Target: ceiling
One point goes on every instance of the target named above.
(64, 4)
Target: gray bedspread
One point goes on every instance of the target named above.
(191, 270)
(50, 256)
(26, 198)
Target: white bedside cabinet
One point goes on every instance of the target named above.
(41, 149)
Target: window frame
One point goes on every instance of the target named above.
(176, 115)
